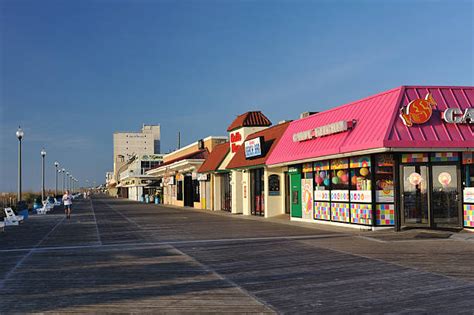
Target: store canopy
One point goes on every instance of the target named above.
(215, 158)
(375, 123)
(192, 160)
(267, 141)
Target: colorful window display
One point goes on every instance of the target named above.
(468, 215)
(445, 157)
(361, 213)
(415, 158)
(361, 179)
(385, 214)
(322, 210)
(384, 174)
(322, 181)
(340, 212)
(468, 188)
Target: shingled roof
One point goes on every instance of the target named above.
(215, 158)
(250, 119)
(271, 136)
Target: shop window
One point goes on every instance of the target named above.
(384, 173)
(339, 174)
(322, 178)
(274, 185)
(468, 177)
(360, 173)
(179, 195)
(197, 195)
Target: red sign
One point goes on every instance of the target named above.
(417, 111)
(235, 137)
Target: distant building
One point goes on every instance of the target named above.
(135, 144)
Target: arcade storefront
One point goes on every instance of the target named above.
(381, 162)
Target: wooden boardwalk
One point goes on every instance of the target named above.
(121, 256)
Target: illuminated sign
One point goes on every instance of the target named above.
(253, 147)
(456, 116)
(418, 111)
(322, 131)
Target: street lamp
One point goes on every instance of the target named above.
(43, 154)
(56, 165)
(19, 135)
(67, 180)
(64, 179)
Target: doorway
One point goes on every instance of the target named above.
(188, 191)
(226, 196)
(257, 191)
(430, 196)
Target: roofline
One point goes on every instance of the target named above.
(196, 142)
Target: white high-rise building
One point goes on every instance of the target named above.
(130, 144)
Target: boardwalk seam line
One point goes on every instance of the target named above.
(96, 224)
(205, 267)
(184, 242)
(20, 262)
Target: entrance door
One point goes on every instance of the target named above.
(287, 194)
(430, 196)
(188, 191)
(226, 201)
(295, 195)
(415, 203)
(445, 196)
(257, 192)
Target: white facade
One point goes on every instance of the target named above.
(130, 144)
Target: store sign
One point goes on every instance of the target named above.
(152, 157)
(202, 177)
(457, 116)
(322, 131)
(253, 147)
(235, 141)
(418, 111)
(168, 181)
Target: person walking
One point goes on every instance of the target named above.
(67, 199)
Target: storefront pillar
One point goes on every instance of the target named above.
(236, 186)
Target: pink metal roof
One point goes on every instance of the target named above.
(379, 126)
(435, 133)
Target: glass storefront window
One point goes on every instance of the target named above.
(340, 174)
(384, 174)
(468, 177)
(360, 173)
(322, 178)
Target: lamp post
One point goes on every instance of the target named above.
(64, 179)
(19, 135)
(56, 165)
(43, 154)
(67, 180)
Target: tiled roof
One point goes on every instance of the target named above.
(250, 119)
(215, 158)
(271, 136)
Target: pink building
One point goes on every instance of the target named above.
(401, 158)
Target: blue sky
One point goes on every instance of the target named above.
(73, 72)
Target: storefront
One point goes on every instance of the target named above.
(261, 189)
(383, 162)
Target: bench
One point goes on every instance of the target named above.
(11, 218)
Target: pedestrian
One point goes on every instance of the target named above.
(67, 199)
(85, 195)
